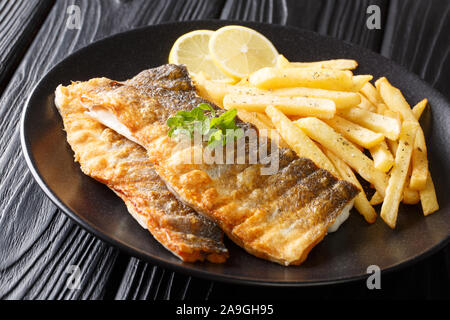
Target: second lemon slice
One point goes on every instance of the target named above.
(191, 49)
(239, 51)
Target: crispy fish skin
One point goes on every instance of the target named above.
(278, 217)
(125, 168)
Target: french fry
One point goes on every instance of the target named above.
(419, 108)
(355, 133)
(396, 185)
(342, 99)
(211, 90)
(393, 145)
(366, 104)
(244, 82)
(376, 199)
(255, 117)
(419, 172)
(371, 93)
(378, 83)
(360, 81)
(300, 106)
(373, 121)
(410, 196)
(262, 123)
(273, 78)
(265, 119)
(394, 115)
(361, 203)
(298, 140)
(381, 108)
(282, 62)
(330, 139)
(395, 100)
(428, 198)
(382, 157)
(397, 117)
(337, 64)
(216, 91)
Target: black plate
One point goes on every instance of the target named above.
(342, 256)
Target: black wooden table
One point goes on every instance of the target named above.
(38, 243)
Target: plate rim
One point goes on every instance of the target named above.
(186, 268)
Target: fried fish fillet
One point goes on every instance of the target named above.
(279, 217)
(124, 167)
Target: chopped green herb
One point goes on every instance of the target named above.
(220, 130)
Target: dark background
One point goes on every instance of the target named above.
(38, 242)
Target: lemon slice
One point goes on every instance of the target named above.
(191, 49)
(239, 51)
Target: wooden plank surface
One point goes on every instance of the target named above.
(19, 23)
(39, 243)
(418, 37)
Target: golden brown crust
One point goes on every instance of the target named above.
(125, 168)
(279, 217)
(275, 222)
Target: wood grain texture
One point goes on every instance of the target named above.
(19, 23)
(418, 37)
(428, 279)
(269, 11)
(38, 242)
(343, 19)
(142, 281)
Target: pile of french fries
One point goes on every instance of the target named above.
(324, 112)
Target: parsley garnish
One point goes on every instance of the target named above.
(220, 130)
